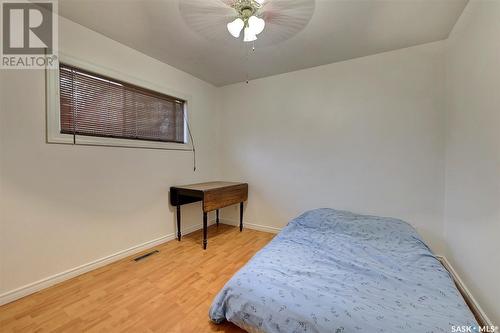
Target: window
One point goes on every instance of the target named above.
(98, 106)
(90, 104)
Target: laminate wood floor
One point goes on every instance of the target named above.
(168, 292)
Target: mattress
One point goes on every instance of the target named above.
(336, 271)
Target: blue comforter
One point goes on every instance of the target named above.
(335, 271)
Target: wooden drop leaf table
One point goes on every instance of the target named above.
(214, 195)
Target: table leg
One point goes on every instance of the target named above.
(179, 223)
(205, 231)
(241, 216)
(217, 217)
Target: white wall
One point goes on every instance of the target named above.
(365, 135)
(472, 214)
(63, 206)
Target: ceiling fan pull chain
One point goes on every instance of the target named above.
(247, 65)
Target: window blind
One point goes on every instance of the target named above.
(94, 105)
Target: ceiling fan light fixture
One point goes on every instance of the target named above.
(256, 24)
(249, 35)
(235, 27)
(247, 11)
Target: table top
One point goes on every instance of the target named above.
(208, 186)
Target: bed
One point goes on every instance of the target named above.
(336, 271)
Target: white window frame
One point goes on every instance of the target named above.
(54, 134)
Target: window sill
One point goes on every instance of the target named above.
(112, 142)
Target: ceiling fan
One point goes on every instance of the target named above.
(271, 21)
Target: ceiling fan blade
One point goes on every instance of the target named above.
(284, 19)
(281, 10)
(208, 18)
(206, 7)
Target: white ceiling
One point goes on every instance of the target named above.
(338, 30)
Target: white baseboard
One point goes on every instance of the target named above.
(259, 227)
(473, 304)
(33, 287)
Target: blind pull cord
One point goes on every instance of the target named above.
(73, 105)
(192, 142)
